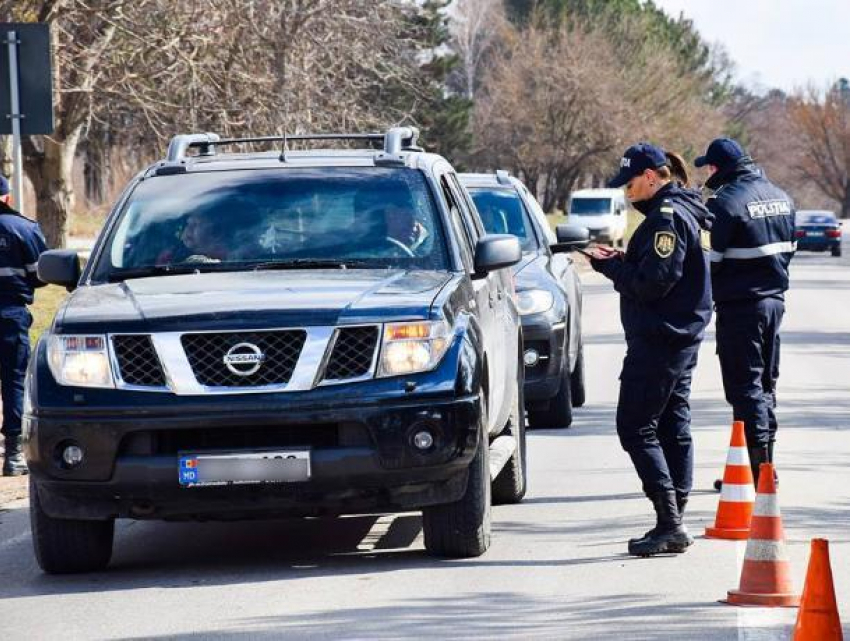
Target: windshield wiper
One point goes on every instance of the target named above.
(159, 270)
(312, 263)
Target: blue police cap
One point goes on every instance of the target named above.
(4, 185)
(722, 152)
(637, 159)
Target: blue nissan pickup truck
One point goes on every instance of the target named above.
(291, 332)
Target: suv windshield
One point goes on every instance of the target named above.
(502, 212)
(590, 206)
(277, 218)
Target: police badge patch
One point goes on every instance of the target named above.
(665, 243)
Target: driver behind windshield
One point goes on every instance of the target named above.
(203, 239)
(388, 220)
(209, 236)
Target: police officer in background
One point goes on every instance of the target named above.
(751, 247)
(21, 243)
(665, 303)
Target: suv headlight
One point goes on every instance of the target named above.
(408, 348)
(534, 301)
(80, 361)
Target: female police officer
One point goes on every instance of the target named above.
(665, 303)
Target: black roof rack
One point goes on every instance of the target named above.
(394, 141)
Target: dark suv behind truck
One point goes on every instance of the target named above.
(279, 333)
(549, 295)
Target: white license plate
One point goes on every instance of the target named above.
(277, 466)
(814, 234)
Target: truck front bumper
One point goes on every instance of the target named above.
(362, 459)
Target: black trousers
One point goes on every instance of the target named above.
(748, 348)
(15, 323)
(654, 413)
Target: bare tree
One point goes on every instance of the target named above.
(142, 70)
(475, 26)
(559, 103)
(823, 123)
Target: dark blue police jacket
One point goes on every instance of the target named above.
(21, 243)
(752, 241)
(663, 278)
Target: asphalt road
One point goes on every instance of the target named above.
(557, 567)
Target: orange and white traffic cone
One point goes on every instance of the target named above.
(766, 575)
(738, 494)
(818, 618)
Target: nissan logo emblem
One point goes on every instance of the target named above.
(244, 359)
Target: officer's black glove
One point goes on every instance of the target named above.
(605, 265)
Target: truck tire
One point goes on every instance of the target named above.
(462, 529)
(67, 546)
(510, 484)
(577, 393)
(836, 251)
(559, 414)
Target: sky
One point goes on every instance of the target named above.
(775, 43)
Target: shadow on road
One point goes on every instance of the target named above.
(494, 614)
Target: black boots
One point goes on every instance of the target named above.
(668, 535)
(14, 463)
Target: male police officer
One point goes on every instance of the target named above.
(751, 246)
(665, 303)
(21, 243)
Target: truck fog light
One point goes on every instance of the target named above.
(531, 357)
(72, 455)
(423, 440)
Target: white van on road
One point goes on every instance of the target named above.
(602, 211)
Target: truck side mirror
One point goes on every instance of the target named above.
(570, 238)
(60, 267)
(496, 251)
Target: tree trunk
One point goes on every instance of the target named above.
(845, 204)
(97, 166)
(51, 176)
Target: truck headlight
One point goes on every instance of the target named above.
(534, 301)
(79, 361)
(408, 348)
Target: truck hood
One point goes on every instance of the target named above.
(533, 273)
(261, 299)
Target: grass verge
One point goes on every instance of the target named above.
(47, 301)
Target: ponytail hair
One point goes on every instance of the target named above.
(676, 169)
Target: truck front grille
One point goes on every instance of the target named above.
(137, 361)
(279, 352)
(352, 353)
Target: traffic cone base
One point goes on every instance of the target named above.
(735, 597)
(737, 493)
(727, 534)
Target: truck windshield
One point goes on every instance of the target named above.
(275, 218)
(502, 212)
(590, 206)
